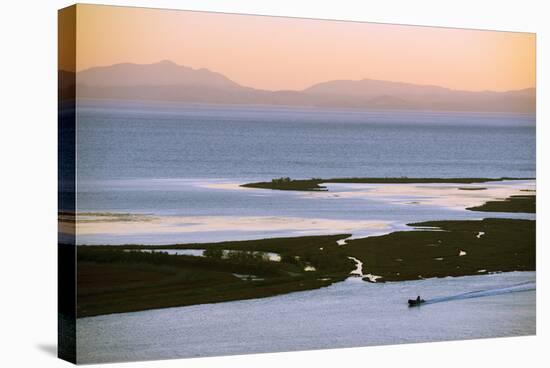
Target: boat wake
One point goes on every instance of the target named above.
(524, 286)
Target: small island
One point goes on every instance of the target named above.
(314, 184)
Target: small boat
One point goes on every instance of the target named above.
(416, 302)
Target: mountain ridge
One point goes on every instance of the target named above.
(168, 81)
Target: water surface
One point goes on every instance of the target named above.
(346, 314)
(179, 167)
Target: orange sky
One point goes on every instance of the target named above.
(288, 53)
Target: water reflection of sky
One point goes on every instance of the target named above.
(345, 314)
(183, 210)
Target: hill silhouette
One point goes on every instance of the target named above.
(167, 81)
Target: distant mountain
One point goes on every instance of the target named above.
(370, 88)
(158, 74)
(167, 81)
(407, 95)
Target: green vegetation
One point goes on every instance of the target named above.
(289, 184)
(516, 203)
(115, 279)
(314, 184)
(462, 248)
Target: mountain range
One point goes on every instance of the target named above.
(167, 81)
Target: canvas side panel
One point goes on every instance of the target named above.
(66, 248)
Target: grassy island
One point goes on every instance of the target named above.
(116, 279)
(315, 184)
(289, 184)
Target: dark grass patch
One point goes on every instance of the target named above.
(289, 184)
(506, 245)
(513, 204)
(112, 280)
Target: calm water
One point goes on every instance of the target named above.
(189, 211)
(132, 141)
(187, 162)
(346, 314)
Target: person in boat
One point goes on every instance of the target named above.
(416, 301)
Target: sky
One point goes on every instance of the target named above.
(277, 53)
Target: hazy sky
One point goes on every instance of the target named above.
(287, 53)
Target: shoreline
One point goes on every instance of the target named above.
(114, 280)
(279, 213)
(126, 278)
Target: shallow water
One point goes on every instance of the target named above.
(346, 314)
(182, 164)
(221, 210)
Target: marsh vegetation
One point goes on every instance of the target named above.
(115, 279)
(513, 204)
